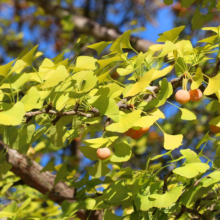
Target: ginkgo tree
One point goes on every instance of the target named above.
(49, 105)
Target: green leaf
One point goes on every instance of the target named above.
(169, 47)
(165, 92)
(25, 204)
(143, 203)
(89, 152)
(122, 42)
(213, 106)
(161, 155)
(198, 19)
(204, 139)
(5, 68)
(187, 115)
(12, 114)
(191, 170)
(197, 79)
(29, 57)
(167, 199)
(117, 192)
(32, 100)
(187, 3)
(108, 215)
(99, 47)
(111, 90)
(171, 35)
(215, 121)
(126, 121)
(172, 142)
(106, 106)
(98, 170)
(168, 2)
(180, 66)
(58, 76)
(141, 84)
(191, 156)
(122, 152)
(213, 86)
(62, 173)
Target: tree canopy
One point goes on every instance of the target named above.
(132, 142)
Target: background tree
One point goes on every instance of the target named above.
(109, 103)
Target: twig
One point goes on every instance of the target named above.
(194, 212)
(165, 185)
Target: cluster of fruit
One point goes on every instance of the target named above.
(183, 96)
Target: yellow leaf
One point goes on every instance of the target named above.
(172, 142)
(156, 47)
(213, 86)
(146, 121)
(85, 62)
(169, 47)
(12, 115)
(5, 68)
(161, 73)
(59, 75)
(141, 84)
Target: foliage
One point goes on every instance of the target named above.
(63, 99)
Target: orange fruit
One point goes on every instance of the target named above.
(182, 96)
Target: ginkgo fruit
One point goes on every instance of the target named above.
(195, 95)
(214, 129)
(136, 134)
(182, 96)
(103, 153)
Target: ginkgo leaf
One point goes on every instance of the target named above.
(99, 47)
(157, 47)
(146, 121)
(85, 62)
(126, 121)
(5, 68)
(197, 79)
(191, 170)
(103, 77)
(122, 42)
(59, 75)
(160, 73)
(213, 86)
(156, 112)
(141, 84)
(215, 121)
(106, 106)
(204, 139)
(108, 215)
(168, 47)
(98, 170)
(187, 115)
(167, 199)
(139, 60)
(16, 81)
(170, 35)
(105, 62)
(172, 142)
(18, 66)
(122, 152)
(29, 57)
(6, 214)
(12, 114)
(210, 40)
(100, 142)
(25, 204)
(32, 100)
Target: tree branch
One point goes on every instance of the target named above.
(30, 173)
(90, 27)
